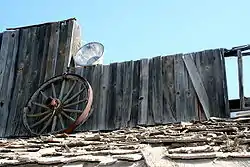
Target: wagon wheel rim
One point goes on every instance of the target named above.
(55, 107)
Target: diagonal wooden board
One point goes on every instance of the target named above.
(197, 83)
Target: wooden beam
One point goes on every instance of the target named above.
(37, 25)
(240, 77)
(197, 83)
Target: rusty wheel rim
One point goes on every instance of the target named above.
(60, 104)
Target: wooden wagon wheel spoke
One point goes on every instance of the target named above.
(44, 95)
(74, 103)
(67, 116)
(58, 112)
(41, 121)
(69, 92)
(54, 124)
(47, 124)
(62, 90)
(53, 90)
(38, 114)
(61, 121)
(40, 105)
(72, 110)
(74, 96)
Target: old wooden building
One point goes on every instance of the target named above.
(159, 90)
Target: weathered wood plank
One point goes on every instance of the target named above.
(143, 92)
(240, 78)
(103, 98)
(15, 119)
(75, 41)
(7, 43)
(169, 110)
(157, 94)
(31, 76)
(65, 44)
(1, 37)
(150, 120)
(52, 51)
(95, 83)
(87, 74)
(8, 52)
(197, 83)
(198, 60)
(135, 94)
(44, 41)
(224, 84)
(119, 94)
(28, 84)
(111, 100)
(127, 93)
(190, 97)
(179, 87)
(210, 71)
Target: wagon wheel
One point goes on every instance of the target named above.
(59, 105)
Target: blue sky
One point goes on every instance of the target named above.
(134, 29)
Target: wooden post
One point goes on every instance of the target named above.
(240, 77)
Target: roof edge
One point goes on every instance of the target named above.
(36, 25)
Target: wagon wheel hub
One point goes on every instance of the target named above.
(53, 103)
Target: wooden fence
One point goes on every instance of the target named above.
(156, 91)
(143, 92)
(28, 57)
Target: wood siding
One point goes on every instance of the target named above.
(28, 57)
(155, 91)
(143, 92)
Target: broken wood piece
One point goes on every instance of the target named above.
(128, 157)
(189, 150)
(208, 155)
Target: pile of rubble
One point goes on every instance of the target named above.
(217, 138)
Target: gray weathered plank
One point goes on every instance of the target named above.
(119, 94)
(210, 71)
(15, 118)
(240, 78)
(150, 120)
(87, 74)
(1, 37)
(223, 78)
(52, 51)
(169, 110)
(29, 84)
(111, 99)
(75, 41)
(95, 83)
(135, 94)
(143, 92)
(8, 53)
(197, 83)
(103, 98)
(190, 98)
(199, 62)
(64, 46)
(180, 83)
(127, 93)
(157, 94)
(44, 39)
